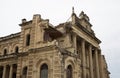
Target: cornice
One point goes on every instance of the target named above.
(87, 32)
(10, 36)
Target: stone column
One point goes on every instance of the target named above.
(83, 59)
(91, 61)
(4, 72)
(11, 71)
(100, 64)
(97, 64)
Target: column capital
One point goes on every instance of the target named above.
(97, 48)
(4, 65)
(10, 64)
(89, 46)
(83, 43)
(97, 51)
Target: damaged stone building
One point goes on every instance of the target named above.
(41, 50)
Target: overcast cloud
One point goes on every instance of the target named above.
(104, 16)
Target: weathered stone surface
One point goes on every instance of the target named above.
(71, 44)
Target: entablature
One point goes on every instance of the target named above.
(86, 37)
(13, 55)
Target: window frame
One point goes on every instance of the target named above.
(69, 72)
(27, 40)
(44, 71)
(5, 52)
(24, 72)
(16, 49)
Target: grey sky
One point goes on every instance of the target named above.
(104, 16)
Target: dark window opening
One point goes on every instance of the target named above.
(44, 71)
(77, 52)
(7, 73)
(14, 75)
(1, 71)
(14, 71)
(5, 52)
(16, 49)
(28, 40)
(47, 37)
(24, 73)
(93, 52)
(69, 72)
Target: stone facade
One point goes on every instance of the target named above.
(41, 50)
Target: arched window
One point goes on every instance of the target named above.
(44, 71)
(69, 72)
(16, 49)
(27, 39)
(24, 73)
(5, 52)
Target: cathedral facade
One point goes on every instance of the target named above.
(41, 50)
